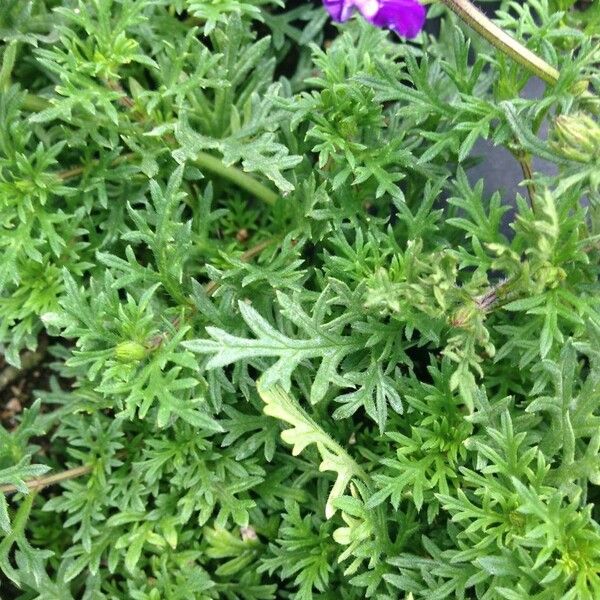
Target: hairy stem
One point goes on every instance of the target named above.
(42, 482)
(473, 17)
(526, 166)
(235, 176)
(203, 160)
(79, 169)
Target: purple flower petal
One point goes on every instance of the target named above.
(339, 10)
(405, 17)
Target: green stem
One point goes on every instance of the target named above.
(473, 17)
(34, 103)
(239, 178)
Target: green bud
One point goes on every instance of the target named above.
(550, 276)
(581, 87)
(577, 137)
(348, 128)
(463, 316)
(343, 535)
(130, 352)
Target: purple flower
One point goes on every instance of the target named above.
(405, 17)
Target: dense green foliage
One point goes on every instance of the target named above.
(297, 354)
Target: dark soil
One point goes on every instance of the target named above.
(20, 392)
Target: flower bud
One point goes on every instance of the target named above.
(129, 352)
(463, 316)
(580, 88)
(343, 535)
(577, 137)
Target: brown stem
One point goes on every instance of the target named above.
(79, 169)
(125, 101)
(527, 168)
(71, 173)
(255, 250)
(42, 482)
(213, 286)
